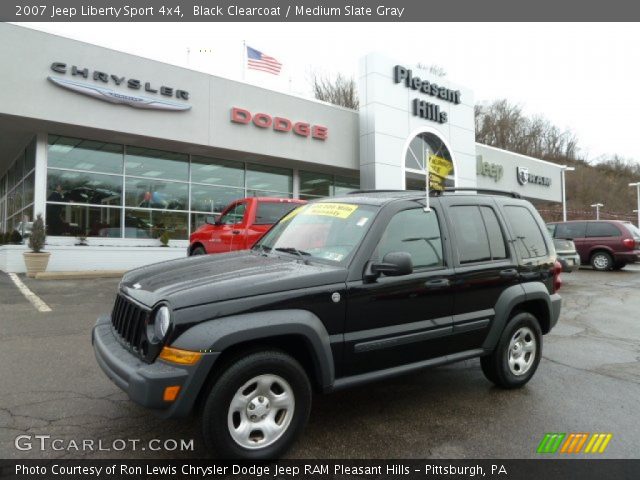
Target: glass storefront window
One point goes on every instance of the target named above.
(144, 162)
(269, 179)
(145, 193)
(217, 172)
(264, 193)
(77, 154)
(344, 185)
(28, 189)
(75, 220)
(429, 149)
(30, 157)
(315, 184)
(83, 187)
(17, 198)
(206, 198)
(153, 223)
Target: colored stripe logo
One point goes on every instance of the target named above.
(580, 442)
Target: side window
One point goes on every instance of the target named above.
(602, 229)
(235, 215)
(570, 230)
(529, 240)
(478, 236)
(417, 233)
(496, 237)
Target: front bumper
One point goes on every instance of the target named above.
(144, 382)
(570, 262)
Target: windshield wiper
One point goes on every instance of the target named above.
(295, 251)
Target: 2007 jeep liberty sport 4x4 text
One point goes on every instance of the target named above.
(340, 292)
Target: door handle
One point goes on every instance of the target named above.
(437, 283)
(509, 273)
(235, 232)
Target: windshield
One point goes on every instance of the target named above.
(324, 231)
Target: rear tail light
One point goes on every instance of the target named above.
(557, 280)
(630, 243)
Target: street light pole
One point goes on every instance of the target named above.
(637, 185)
(597, 206)
(564, 191)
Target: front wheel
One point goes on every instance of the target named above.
(517, 355)
(257, 408)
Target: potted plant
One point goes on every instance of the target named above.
(164, 239)
(36, 260)
(82, 240)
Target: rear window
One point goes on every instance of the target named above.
(602, 229)
(529, 238)
(635, 231)
(570, 230)
(270, 212)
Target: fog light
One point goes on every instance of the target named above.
(171, 393)
(182, 357)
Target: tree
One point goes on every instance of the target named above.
(340, 90)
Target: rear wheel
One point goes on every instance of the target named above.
(199, 250)
(257, 408)
(517, 355)
(601, 261)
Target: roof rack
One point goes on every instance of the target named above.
(435, 193)
(479, 190)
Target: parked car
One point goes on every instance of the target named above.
(605, 244)
(240, 225)
(340, 292)
(567, 254)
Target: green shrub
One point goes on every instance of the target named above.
(164, 239)
(38, 236)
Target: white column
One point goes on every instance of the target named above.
(40, 182)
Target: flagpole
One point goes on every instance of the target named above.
(244, 61)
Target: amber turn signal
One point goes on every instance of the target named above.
(182, 357)
(170, 393)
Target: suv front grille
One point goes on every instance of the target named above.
(129, 321)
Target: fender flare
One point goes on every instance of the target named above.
(510, 299)
(221, 333)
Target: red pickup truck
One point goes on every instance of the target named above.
(240, 225)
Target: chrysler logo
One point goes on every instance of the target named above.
(523, 175)
(112, 96)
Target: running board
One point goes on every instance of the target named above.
(355, 380)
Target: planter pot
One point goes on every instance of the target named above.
(36, 262)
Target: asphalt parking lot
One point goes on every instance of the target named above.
(588, 381)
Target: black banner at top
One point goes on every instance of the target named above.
(315, 11)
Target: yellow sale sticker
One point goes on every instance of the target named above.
(337, 210)
(440, 166)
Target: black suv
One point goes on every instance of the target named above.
(340, 292)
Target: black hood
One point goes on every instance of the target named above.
(206, 279)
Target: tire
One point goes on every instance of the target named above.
(245, 394)
(199, 250)
(619, 266)
(522, 329)
(601, 261)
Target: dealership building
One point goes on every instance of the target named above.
(121, 149)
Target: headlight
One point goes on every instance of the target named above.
(161, 322)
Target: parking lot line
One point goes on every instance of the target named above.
(29, 295)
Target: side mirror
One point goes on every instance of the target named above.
(212, 219)
(394, 264)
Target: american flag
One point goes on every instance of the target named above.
(259, 61)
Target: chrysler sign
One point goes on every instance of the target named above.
(100, 89)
